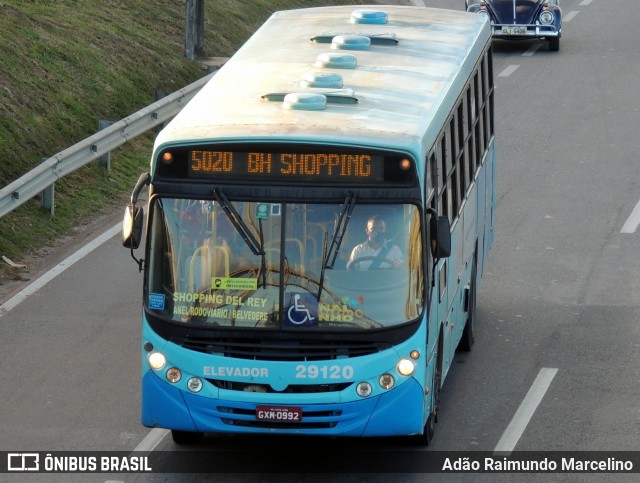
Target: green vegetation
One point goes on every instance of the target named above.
(66, 64)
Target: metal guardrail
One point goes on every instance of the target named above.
(43, 177)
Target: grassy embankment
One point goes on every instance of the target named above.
(66, 64)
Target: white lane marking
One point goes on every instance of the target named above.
(532, 50)
(524, 413)
(152, 440)
(156, 435)
(58, 269)
(585, 2)
(631, 225)
(569, 16)
(510, 69)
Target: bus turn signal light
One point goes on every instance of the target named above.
(174, 375)
(387, 381)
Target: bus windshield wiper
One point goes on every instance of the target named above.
(329, 256)
(239, 224)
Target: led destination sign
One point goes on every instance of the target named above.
(351, 166)
(307, 164)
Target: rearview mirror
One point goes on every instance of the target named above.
(440, 236)
(132, 226)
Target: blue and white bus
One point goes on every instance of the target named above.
(330, 129)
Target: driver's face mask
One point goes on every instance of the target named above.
(375, 233)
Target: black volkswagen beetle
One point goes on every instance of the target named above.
(522, 19)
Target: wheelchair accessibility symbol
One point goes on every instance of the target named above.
(303, 310)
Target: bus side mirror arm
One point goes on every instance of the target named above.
(133, 220)
(143, 181)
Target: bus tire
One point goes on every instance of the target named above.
(430, 425)
(185, 437)
(467, 340)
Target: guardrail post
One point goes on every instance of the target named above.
(47, 197)
(39, 181)
(105, 159)
(159, 95)
(194, 29)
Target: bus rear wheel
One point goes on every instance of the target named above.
(467, 339)
(185, 437)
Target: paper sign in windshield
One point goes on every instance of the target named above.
(230, 283)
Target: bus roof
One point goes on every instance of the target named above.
(401, 89)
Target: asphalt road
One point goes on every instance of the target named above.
(556, 365)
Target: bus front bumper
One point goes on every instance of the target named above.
(396, 412)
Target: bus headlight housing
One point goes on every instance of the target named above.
(546, 17)
(157, 360)
(406, 367)
(174, 375)
(363, 389)
(194, 384)
(386, 381)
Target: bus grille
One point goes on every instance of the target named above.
(293, 388)
(282, 350)
(310, 419)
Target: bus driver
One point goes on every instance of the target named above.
(377, 252)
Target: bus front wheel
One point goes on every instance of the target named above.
(185, 437)
(430, 426)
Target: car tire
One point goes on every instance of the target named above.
(554, 44)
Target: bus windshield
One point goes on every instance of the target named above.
(301, 266)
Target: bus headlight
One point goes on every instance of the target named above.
(546, 17)
(406, 367)
(387, 381)
(174, 375)
(157, 360)
(363, 389)
(194, 384)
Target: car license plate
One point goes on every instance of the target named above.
(279, 414)
(514, 30)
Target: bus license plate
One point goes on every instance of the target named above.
(278, 414)
(514, 30)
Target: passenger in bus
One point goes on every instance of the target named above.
(377, 252)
